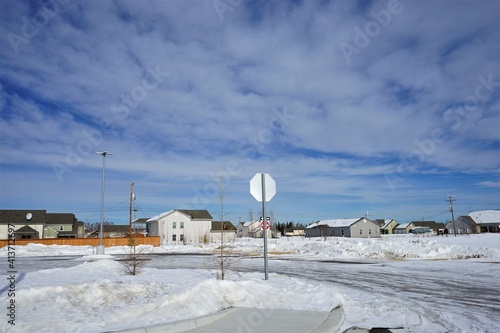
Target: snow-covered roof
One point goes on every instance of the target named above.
(334, 223)
(249, 223)
(485, 216)
(403, 226)
(159, 216)
(386, 223)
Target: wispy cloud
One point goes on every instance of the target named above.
(418, 104)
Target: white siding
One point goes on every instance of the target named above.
(193, 232)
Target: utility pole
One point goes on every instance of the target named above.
(130, 214)
(450, 200)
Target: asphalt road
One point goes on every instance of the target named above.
(469, 288)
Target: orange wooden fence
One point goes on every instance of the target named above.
(121, 241)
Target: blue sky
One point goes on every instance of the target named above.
(385, 107)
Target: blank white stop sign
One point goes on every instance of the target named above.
(256, 187)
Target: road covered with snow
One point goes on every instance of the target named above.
(424, 284)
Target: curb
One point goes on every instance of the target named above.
(179, 326)
(332, 323)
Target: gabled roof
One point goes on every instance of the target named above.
(485, 216)
(141, 220)
(403, 225)
(26, 230)
(249, 223)
(387, 222)
(335, 223)
(193, 214)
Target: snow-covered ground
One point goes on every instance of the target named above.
(97, 295)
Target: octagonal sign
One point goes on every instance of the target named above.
(256, 187)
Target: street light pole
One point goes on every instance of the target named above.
(100, 247)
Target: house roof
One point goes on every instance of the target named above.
(403, 226)
(216, 225)
(141, 220)
(387, 222)
(431, 224)
(18, 216)
(485, 216)
(26, 230)
(60, 218)
(334, 223)
(118, 228)
(249, 223)
(194, 214)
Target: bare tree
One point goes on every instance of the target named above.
(225, 259)
(250, 215)
(136, 258)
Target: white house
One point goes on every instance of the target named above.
(181, 226)
(252, 229)
(357, 227)
(488, 220)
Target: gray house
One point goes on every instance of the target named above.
(355, 228)
(463, 225)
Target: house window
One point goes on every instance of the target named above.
(181, 237)
(360, 231)
(174, 237)
(370, 231)
(342, 232)
(25, 236)
(174, 225)
(182, 225)
(61, 228)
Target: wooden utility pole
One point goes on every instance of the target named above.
(130, 214)
(450, 200)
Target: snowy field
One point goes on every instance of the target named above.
(97, 295)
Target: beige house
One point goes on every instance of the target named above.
(228, 232)
(404, 228)
(387, 226)
(252, 229)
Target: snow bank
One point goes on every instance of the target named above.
(387, 247)
(97, 296)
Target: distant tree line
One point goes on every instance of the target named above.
(282, 227)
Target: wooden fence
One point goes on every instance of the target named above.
(107, 242)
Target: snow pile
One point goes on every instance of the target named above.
(97, 296)
(394, 247)
(387, 247)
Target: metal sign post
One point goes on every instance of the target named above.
(264, 219)
(261, 193)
